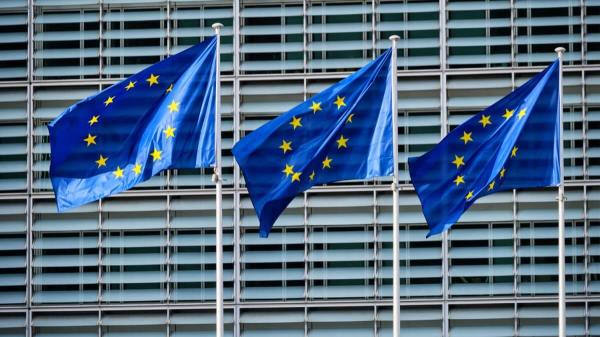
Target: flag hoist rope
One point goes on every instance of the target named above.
(219, 189)
(562, 320)
(395, 229)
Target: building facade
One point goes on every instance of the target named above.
(142, 263)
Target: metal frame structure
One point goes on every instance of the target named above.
(236, 192)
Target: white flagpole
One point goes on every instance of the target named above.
(562, 319)
(219, 190)
(395, 225)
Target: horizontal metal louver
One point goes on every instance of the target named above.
(538, 267)
(13, 324)
(479, 34)
(13, 252)
(66, 44)
(542, 320)
(538, 29)
(193, 24)
(65, 254)
(417, 24)
(273, 267)
(265, 322)
(188, 323)
(349, 322)
(420, 321)
(13, 139)
(339, 35)
(493, 321)
(481, 260)
(13, 43)
(271, 38)
(147, 257)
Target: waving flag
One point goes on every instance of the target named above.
(512, 144)
(344, 132)
(157, 119)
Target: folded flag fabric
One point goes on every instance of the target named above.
(343, 132)
(512, 144)
(157, 119)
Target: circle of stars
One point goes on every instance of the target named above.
(157, 154)
(286, 146)
(467, 137)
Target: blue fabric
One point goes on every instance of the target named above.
(159, 118)
(518, 149)
(326, 142)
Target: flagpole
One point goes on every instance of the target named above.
(219, 190)
(562, 319)
(395, 225)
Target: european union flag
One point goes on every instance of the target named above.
(512, 144)
(157, 119)
(344, 132)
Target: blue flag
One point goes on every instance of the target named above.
(344, 132)
(512, 144)
(157, 119)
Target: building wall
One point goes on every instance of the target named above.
(142, 263)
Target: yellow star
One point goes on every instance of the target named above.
(340, 102)
(513, 153)
(508, 113)
(485, 120)
(109, 100)
(327, 162)
(137, 169)
(153, 79)
(173, 107)
(156, 154)
(170, 88)
(296, 122)
(286, 146)
(312, 176)
(130, 85)
(342, 142)
(522, 113)
(94, 120)
(296, 176)
(90, 140)
(118, 172)
(289, 169)
(458, 161)
(469, 196)
(101, 161)
(169, 131)
(459, 180)
(315, 107)
(491, 185)
(466, 137)
(502, 172)
(349, 120)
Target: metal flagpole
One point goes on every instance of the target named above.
(217, 180)
(395, 229)
(562, 319)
